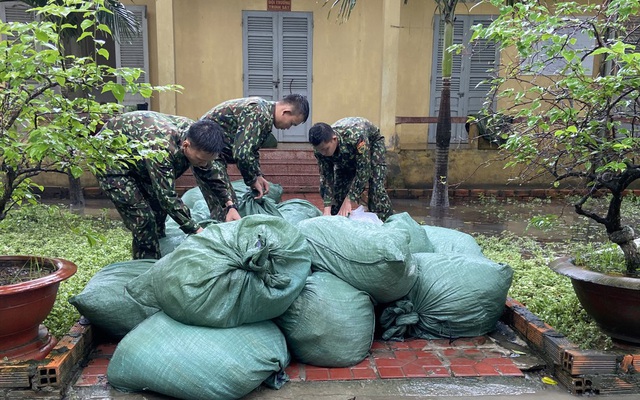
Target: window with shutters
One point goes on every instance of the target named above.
(470, 69)
(277, 60)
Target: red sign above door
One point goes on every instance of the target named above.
(278, 5)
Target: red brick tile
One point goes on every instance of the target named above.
(390, 372)
(414, 371)
(437, 372)
(425, 354)
(439, 343)
(362, 373)
(389, 362)
(340, 374)
(91, 380)
(95, 370)
(450, 352)
(463, 370)
(461, 361)
(379, 345)
(498, 361)
(105, 349)
(417, 343)
(405, 354)
(399, 345)
(509, 370)
(98, 362)
(472, 352)
(364, 364)
(293, 371)
(317, 374)
(384, 354)
(486, 369)
(428, 361)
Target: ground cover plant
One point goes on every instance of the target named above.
(51, 231)
(95, 242)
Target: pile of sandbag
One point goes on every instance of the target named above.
(226, 310)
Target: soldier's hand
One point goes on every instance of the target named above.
(326, 211)
(199, 230)
(261, 186)
(232, 215)
(345, 209)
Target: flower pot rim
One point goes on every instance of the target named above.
(65, 269)
(565, 266)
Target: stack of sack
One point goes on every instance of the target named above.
(225, 311)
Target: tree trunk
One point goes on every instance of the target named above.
(624, 239)
(76, 197)
(440, 195)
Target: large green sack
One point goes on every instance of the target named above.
(419, 241)
(372, 258)
(230, 274)
(191, 362)
(455, 296)
(330, 324)
(105, 302)
(296, 210)
(445, 240)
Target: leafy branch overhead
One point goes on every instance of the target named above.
(43, 127)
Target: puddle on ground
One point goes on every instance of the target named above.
(497, 216)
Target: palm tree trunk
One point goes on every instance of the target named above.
(440, 195)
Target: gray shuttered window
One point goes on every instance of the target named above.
(277, 60)
(470, 68)
(133, 53)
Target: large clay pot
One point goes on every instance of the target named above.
(612, 301)
(23, 307)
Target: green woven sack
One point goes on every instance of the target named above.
(372, 258)
(330, 324)
(296, 210)
(230, 274)
(191, 362)
(418, 240)
(248, 205)
(445, 240)
(105, 302)
(455, 296)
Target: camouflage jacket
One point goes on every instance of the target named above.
(357, 137)
(164, 133)
(247, 123)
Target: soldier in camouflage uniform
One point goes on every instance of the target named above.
(143, 189)
(351, 154)
(248, 123)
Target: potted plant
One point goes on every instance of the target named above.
(28, 289)
(570, 82)
(49, 116)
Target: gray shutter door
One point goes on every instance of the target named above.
(133, 53)
(277, 54)
(456, 78)
(482, 63)
(470, 68)
(259, 54)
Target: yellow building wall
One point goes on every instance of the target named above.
(376, 65)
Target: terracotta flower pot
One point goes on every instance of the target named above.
(612, 301)
(23, 307)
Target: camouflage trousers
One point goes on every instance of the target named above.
(140, 212)
(378, 200)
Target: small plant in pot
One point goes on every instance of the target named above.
(52, 103)
(570, 82)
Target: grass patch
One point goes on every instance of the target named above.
(50, 231)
